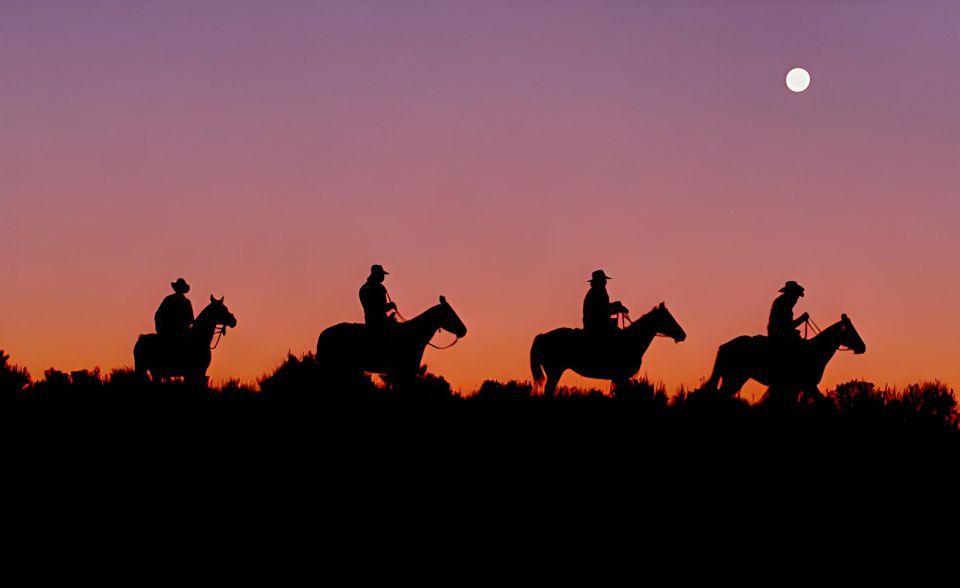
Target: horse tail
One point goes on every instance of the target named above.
(536, 364)
(714, 381)
(719, 364)
(140, 353)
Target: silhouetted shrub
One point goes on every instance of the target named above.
(512, 391)
(13, 379)
(300, 397)
(642, 391)
(931, 404)
(426, 387)
(859, 398)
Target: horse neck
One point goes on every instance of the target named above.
(827, 342)
(425, 324)
(203, 327)
(643, 330)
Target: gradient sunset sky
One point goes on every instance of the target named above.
(492, 152)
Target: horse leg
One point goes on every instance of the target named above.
(713, 383)
(730, 384)
(553, 378)
(141, 365)
(717, 377)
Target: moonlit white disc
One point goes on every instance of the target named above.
(798, 79)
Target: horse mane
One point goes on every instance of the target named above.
(423, 315)
(830, 329)
(645, 317)
(203, 313)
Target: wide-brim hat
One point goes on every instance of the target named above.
(599, 276)
(792, 286)
(378, 269)
(180, 286)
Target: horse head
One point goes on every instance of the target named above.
(217, 313)
(849, 337)
(449, 321)
(666, 325)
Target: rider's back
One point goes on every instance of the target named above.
(596, 310)
(373, 298)
(780, 325)
(174, 316)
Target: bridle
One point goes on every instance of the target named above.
(403, 319)
(219, 331)
(626, 322)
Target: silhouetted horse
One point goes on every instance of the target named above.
(615, 357)
(394, 351)
(190, 358)
(747, 357)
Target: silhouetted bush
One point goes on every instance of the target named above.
(13, 379)
(929, 404)
(859, 398)
(299, 399)
(512, 391)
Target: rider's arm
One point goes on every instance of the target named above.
(800, 320)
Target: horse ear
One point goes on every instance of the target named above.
(212, 299)
(443, 300)
(662, 305)
(222, 297)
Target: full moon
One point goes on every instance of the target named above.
(798, 79)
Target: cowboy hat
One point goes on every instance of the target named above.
(180, 286)
(598, 276)
(792, 286)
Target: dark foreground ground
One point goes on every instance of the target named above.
(354, 463)
(305, 417)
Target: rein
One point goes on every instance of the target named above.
(400, 317)
(816, 331)
(626, 322)
(219, 331)
(445, 346)
(403, 319)
(809, 324)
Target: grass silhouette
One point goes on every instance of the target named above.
(299, 442)
(298, 393)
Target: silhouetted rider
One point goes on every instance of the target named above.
(598, 311)
(782, 326)
(373, 297)
(175, 315)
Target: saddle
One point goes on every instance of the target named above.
(784, 353)
(380, 339)
(174, 348)
(602, 341)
